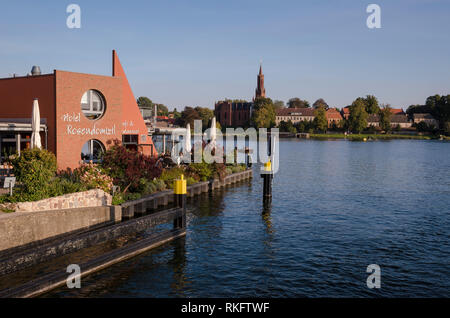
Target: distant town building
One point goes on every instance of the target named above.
(260, 89)
(345, 112)
(425, 117)
(397, 111)
(231, 114)
(399, 120)
(238, 114)
(373, 120)
(295, 115)
(333, 117)
(146, 113)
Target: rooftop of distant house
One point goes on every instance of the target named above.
(295, 112)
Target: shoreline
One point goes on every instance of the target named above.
(367, 137)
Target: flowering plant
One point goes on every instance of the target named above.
(94, 177)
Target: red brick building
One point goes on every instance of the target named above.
(237, 114)
(333, 117)
(231, 114)
(80, 114)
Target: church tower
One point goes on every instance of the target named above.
(260, 90)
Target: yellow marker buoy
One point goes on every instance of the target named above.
(268, 166)
(180, 186)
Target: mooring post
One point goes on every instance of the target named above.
(180, 192)
(267, 176)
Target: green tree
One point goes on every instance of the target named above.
(320, 119)
(447, 128)
(205, 114)
(147, 103)
(263, 115)
(297, 103)
(188, 115)
(144, 102)
(385, 118)
(372, 106)
(35, 170)
(176, 114)
(162, 110)
(358, 116)
(278, 104)
(320, 103)
(440, 108)
(287, 127)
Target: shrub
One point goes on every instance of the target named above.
(131, 196)
(128, 167)
(160, 184)
(61, 186)
(34, 169)
(201, 171)
(93, 177)
(219, 170)
(190, 181)
(238, 168)
(118, 199)
(169, 175)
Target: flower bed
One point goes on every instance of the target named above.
(130, 174)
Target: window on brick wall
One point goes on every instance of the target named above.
(93, 104)
(130, 141)
(92, 151)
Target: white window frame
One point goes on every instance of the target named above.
(91, 112)
(90, 151)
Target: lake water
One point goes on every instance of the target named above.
(337, 207)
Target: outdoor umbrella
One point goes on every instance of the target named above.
(35, 126)
(187, 142)
(212, 133)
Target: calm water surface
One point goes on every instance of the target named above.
(338, 206)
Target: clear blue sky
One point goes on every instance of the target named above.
(195, 52)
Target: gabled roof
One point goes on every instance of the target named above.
(401, 118)
(295, 112)
(423, 116)
(396, 111)
(333, 114)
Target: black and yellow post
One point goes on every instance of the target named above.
(267, 176)
(180, 191)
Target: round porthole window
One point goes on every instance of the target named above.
(93, 104)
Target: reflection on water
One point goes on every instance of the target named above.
(337, 207)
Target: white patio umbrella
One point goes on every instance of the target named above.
(213, 132)
(187, 142)
(35, 125)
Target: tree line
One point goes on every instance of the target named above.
(264, 114)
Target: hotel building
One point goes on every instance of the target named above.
(81, 114)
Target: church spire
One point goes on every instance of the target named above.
(260, 90)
